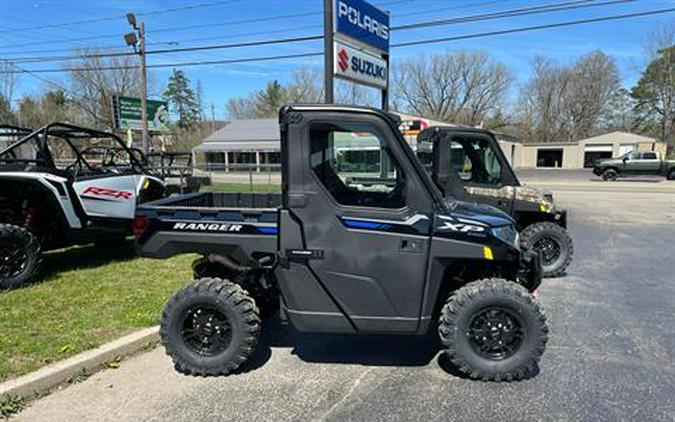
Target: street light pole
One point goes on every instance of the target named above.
(144, 87)
(139, 47)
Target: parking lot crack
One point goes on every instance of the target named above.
(345, 396)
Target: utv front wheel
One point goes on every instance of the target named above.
(210, 327)
(493, 330)
(553, 243)
(610, 175)
(20, 256)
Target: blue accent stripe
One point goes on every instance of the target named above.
(358, 224)
(268, 230)
(361, 224)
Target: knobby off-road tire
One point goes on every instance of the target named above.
(481, 314)
(20, 256)
(210, 327)
(554, 244)
(610, 175)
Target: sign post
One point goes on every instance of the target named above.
(328, 48)
(357, 41)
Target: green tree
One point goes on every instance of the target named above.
(53, 106)
(654, 96)
(182, 99)
(269, 100)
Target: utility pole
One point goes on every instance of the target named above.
(139, 46)
(144, 87)
(213, 118)
(328, 50)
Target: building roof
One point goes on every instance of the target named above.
(262, 135)
(625, 137)
(243, 135)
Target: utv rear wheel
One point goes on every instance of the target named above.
(553, 243)
(20, 256)
(210, 327)
(493, 330)
(610, 175)
(671, 175)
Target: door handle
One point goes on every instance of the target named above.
(411, 245)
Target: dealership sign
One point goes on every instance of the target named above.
(358, 66)
(127, 113)
(363, 23)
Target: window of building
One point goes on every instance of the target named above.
(355, 166)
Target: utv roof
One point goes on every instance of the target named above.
(394, 118)
(427, 133)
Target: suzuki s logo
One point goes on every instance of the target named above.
(208, 227)
(343, 59)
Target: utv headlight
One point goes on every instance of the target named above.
(507, 234)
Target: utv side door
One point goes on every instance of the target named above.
(355, 225)
(478, 160)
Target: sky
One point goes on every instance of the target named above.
(220, 22)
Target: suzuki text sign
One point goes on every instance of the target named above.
(358, 66)
(362, 22)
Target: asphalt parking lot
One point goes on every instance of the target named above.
(611, 354)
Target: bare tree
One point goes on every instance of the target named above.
(654, 93)
(306, 86)
(97, 84)
(9, 79)
(464, 87)
(560, 103)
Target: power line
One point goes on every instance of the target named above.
(553, 7)
(176, 50)
(116, 17)
(182, 28)
(572, 5)
(535, 28)
(398, 45)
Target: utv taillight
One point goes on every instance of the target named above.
(139, 225)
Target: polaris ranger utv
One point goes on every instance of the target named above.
(467, 163)
(63, 185)
(339, 256)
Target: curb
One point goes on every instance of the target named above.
(36, 384)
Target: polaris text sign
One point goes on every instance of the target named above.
(362, 22)
(358, 66)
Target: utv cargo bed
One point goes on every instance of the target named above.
(208, 222)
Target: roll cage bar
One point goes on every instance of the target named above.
(66, 132)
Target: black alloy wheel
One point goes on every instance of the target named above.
(13, 260)
(549, 248)
(206, 331)
(20, 256)
(496, 333)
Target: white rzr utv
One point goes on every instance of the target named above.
(64, 185)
